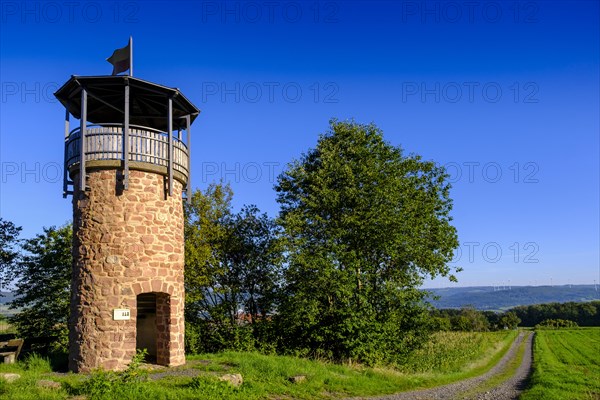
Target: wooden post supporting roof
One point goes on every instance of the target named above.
(126, 139)
(170, 133)
(82, 149)
(65, 170)
(188, 188)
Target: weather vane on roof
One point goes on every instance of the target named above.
(122, 59)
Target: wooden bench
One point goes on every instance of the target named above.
(10, 350)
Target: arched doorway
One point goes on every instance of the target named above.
(152, 326)
(146, 327)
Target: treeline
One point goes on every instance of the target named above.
(570, 314)
(472, 320)
(583, 314)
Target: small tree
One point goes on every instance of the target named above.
(232, 272)
(9, 234)
(43, 279)
(205, 230)
(254, 258)
(509, 320)
(470, 320)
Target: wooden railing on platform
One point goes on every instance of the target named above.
(145, 145)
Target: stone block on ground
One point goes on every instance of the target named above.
(233, 379)
(47, 383)
(8, 377)
(297, 378)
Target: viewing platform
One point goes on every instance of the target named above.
(126, 123)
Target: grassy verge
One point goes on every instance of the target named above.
(463, 355)
(33, 369)
(566, 365)
(451, 352)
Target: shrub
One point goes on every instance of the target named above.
(556, 324)
(37, 363)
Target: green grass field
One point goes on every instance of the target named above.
(449, 357)
(566, 365)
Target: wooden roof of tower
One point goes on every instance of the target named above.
(106, 99)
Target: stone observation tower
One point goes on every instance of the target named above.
(127, 166)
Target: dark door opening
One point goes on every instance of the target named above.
(146, 331)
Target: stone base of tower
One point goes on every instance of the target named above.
(128, 259)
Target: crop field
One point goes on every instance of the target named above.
(450, 356)
(566, 365)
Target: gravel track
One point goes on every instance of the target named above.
(512, 387)
(509, 389)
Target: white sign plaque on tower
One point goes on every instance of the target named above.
(121, 314)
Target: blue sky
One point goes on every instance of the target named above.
(504, 94)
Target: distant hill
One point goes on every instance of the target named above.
(6, 297)
(480, 297)
(491, 298)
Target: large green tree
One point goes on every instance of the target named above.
(42, 279)
(364, 225)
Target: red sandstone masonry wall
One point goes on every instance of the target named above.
(125, 243)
